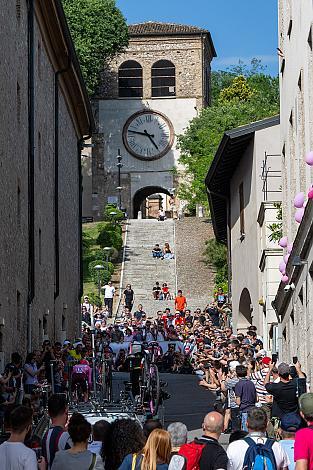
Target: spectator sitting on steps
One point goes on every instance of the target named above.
(156, 251)
(167, 252)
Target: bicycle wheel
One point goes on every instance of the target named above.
(153, 389)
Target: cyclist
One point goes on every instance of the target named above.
(81, 377)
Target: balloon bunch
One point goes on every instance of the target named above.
(283, 243)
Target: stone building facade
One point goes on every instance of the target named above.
(168, 67)
(243, 185)
(45, 115)
(294, 303)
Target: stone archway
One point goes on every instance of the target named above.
(245, 310)
(142, 194)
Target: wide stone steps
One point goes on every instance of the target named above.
(141, 270)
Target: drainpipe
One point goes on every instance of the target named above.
(221, 196)
(56, 193)
(31, 177)
(80, 146)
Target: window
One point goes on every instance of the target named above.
(310, 39)
(40, 331)
(39, 59)
(289, 29)
(39, 151)
(300, 81)
(45, 326)
(18, 207)
(163, 78)
(130, 83)
(18, 103)
(63, 323)
(18, 310)
(40, 246)
(242, 208)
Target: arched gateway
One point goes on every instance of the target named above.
(149, 200)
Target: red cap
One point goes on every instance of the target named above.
(266, 360)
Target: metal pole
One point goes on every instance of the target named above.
(52, 376)
(107, 261)
(93, 362)
(119, 166)
(99, 284)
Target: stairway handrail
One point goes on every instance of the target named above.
(175, 257)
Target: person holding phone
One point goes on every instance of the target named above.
(285, 394)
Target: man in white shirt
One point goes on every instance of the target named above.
(14, 455)
(109, 292)
(257, 424)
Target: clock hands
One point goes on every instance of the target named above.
(141, 133)
(150, 138)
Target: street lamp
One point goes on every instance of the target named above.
(119, 187)
(107, 251)
(98, 268)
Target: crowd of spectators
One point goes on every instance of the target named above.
(259, 399)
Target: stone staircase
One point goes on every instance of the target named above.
(141, 270)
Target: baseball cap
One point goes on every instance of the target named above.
(306, 404)
(283, 368)
(66, 342)
(291, 422)
(266, 360)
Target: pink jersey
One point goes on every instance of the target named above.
(304, 446)
(83, 369)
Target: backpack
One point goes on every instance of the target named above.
(192, 453)
(259, 456)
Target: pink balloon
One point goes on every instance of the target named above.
(309, 158)
(310, 194)
(299, 214)
(282, 267)
(286, 258)
(283, 242)
(299, 200)
(289, 247)
(284, 279)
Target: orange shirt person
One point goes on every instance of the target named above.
(180, 302)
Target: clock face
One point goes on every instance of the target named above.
(148, 135)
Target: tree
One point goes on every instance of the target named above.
(99, 31)
(238, 100)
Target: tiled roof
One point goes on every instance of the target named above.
(153, 27)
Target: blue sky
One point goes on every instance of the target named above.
(241, 29)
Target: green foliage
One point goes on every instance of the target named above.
(216, 256)
(239, 96)
(99, 31)
(104, 274)
(277, 227)
(238, 90)
(112, 214)
(110, 238)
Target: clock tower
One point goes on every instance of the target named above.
(147, 97)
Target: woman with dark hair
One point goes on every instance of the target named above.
(31, 372)
(78, 457)
(126, 438)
